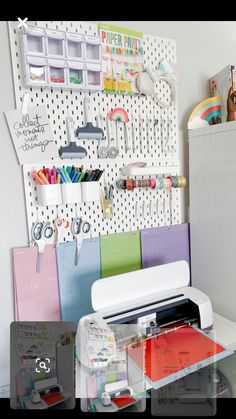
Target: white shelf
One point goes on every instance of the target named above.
(149, 170)
(212, 129)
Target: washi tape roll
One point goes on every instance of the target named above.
(121, 184)
(129, 184)
(168, 183)
(170, 178)
(174, 181)
(181, 181)
(161, 183)
(184, 182)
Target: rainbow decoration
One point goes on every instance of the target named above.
(118, 114)
(205, 111)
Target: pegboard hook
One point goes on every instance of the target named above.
(25, 102)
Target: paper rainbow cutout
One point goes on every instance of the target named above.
(118, 114)
(206, 110)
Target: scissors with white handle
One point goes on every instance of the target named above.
(80, 230)
(41, 235)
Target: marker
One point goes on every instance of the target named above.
(43, 177)
(63, 178)
(68, 170)
(81, 177)
(37, 178)
(77, 177)
(66, 174)
(74, 177)
(99, 175)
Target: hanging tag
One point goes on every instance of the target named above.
(25, 103)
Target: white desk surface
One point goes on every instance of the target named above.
(225, 331)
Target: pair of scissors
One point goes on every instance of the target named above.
(41, 235)
(80, 230)
(62, 227)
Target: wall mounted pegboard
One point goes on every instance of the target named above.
(156, 144)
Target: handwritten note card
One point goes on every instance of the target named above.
(31, 134)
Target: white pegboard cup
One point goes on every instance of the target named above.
(90, 191)
(49, 195)
(71, 193)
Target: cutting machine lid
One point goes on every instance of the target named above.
(137, 285)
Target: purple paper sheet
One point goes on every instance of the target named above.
(165, 245)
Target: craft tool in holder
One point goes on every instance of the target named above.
(120, 115)
(148, 134)
(140, 125)
(113, 148)
(133, 132)
(107, 201)
(102, 145)
(72, 151)
(89, 131)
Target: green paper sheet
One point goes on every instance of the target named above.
(120, 253)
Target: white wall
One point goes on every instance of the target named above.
(13, 231)
(203, 48)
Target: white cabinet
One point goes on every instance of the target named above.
(212, 165)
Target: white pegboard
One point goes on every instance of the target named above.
(59, 102)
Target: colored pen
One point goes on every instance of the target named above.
(81, 177)
(74, 177)
(37, 178)
(72, 173)
(58, 178)
(77, 177)
(62, 175)
(90, 176)
(99, 175)
(43, 177)
(66, 175)
(54, 171)
(85, 176)
(68, 170)
(94, 174)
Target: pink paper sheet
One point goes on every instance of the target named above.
(36, 294)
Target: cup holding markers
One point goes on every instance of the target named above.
(66, 185)
(47, 187)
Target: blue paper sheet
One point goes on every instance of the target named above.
(75, 282)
